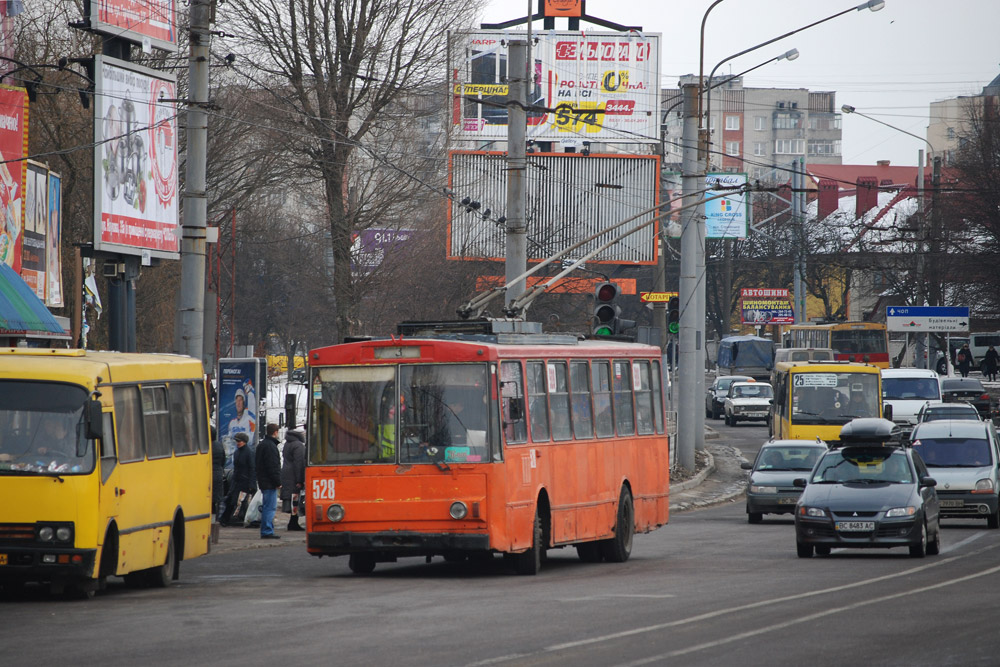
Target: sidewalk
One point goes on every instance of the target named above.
(238, 538)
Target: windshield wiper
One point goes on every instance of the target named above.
(864, 481)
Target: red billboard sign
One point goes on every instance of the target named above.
(13, 172)
(141, 21)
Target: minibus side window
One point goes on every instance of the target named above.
(183, 418)
(129, 419)
(108, 458)
(156, 420)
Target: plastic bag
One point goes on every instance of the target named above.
(253, 511)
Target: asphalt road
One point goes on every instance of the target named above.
(708, 589)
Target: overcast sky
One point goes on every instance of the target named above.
(889, 64)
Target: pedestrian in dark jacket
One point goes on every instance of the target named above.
(991, 361)
(268, 479)
(964, 359)
(293, 473)
(243, 476)
(218, 463)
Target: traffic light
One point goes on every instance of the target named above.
(607, 313)
(674, 315)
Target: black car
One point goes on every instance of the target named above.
(971, 391)
(869, 491)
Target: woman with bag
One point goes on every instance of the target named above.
(293, 475)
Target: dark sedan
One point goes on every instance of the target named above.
(969, 390)
(869, 492)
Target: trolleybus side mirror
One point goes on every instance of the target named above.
(95, 420)
(516, 409)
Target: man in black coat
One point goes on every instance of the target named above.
(243, 476)
(268, 479)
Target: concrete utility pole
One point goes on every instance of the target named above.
(799, 264)
(691, 363)
(517, 199)
(189, 330)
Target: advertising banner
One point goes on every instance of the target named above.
(726, 217)
(605, 86)
(135, 170)
(370, 246)
(36, 213)
(13, 172)
(236, 404)
(152, 22)
(53, 244)
(766, 306)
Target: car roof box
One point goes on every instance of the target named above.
(869, 431)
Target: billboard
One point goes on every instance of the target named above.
(152, 22)
(369, 247)
(570, 197)
(13, 172)
(236, 405)
(726, 217)
(53, 244)
(766, 306)
(35, 229)
(135, 162)
(606, 84)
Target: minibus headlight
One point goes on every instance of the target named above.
(64, 533)
(458, 510)
(45, 533)
(335, 513)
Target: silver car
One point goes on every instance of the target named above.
(715, 395)
(772, 475)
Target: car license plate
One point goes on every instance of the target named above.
(855, 526)
(754, 414)
(952, 503)
(787, 501)
(3, 559)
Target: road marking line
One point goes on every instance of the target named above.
(962, 543)
(609, 596)
(811, 617)
(735, 610)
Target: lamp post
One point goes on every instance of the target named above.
(691, 381)
(848, 109)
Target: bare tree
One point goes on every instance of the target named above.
(335, 68)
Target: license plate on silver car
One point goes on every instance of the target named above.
(952, 503)
(855, 526)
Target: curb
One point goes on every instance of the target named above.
(697, 479)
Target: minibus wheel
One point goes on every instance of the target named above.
(160, 577)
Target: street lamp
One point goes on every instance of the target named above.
(848, 109)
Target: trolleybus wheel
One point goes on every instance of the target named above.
(530, 561)
(619, 548)
(361, 563)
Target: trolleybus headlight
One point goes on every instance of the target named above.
(335, 513)
(458, 510)
(64, 533)
(45, 533)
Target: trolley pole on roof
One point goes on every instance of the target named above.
(517, 130)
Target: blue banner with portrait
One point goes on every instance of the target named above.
(236, 405)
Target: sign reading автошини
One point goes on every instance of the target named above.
(954, 319)
(766, 306)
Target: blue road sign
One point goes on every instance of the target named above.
(927, 318)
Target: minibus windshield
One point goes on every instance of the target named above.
(42, 430)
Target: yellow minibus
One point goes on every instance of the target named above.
(814, 399)
(105, 467)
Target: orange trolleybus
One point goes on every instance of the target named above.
(473, 443)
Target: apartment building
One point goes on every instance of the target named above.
(950, 119)
(758, 130)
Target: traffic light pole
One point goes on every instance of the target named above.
(690, 418)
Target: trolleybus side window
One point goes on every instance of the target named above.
(583, 418)
(512, 402)
(622, 384)
(643, 398)
(129, 417)
(604, 420)
(559, 401)
(156, 419)
(538, 415)
(657, 398)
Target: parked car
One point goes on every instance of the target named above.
(963, 457)
(715, 395)
(938, 410)
(746, 401)
(968, 390)
(868, 491)
(771, 488)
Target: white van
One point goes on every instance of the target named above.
(907, 390)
